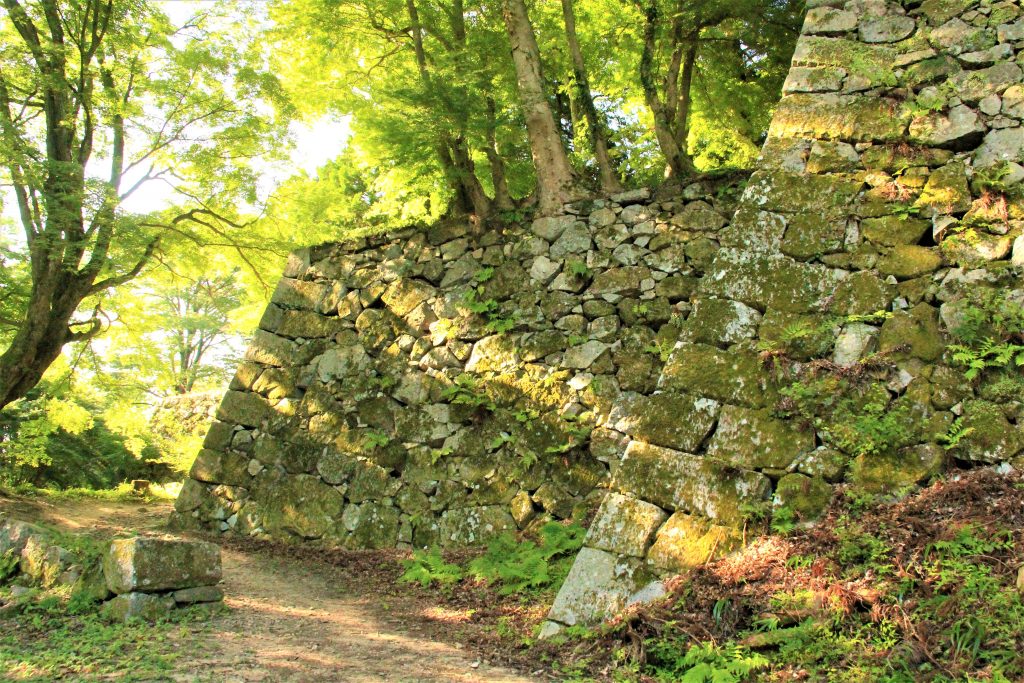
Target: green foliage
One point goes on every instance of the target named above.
(520, 566)
(577, 268)
(783, 520)
(860, 549)
(376, 439)
(488, 308)
(675, 662)
(991, 333)
(956, 432)
(58, 636)
(8, 565)
(66, 438)
(993, 180)
(427, 567)
(466, 391)
(987, 354)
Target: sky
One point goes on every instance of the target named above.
(316, 143)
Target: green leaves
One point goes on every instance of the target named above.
(520, 566)
(428, 567)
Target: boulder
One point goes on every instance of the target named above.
(599, 584)
(680, 481)
(160, 564)
(753, 439)
(135, 605)
(687, 541)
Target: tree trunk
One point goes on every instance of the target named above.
(556, 182)
(502, 197)
(597, 134)
(469, 197)
(40, 337)
(467, 177)
(677, 159)
(684, 103)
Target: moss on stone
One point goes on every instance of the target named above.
(688, 541)
(805, 496)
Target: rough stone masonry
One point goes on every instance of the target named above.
(440, 387)
(872, 215)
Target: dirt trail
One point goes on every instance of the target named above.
(288, 620)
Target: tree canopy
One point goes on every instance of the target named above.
(491, 110)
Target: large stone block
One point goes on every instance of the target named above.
(916, 332)
(244, 408)
(680, 481)
(786, 192)
(14, 534)
(753, 439)
(770, 281)
(849, 118)
(474, 525)
(720, 321)
(624, 525)
(269, 349)
(220, 467)
(687, 541)
(300, 294)
(733, 376)
(142, 606)
(403, 295)
(299, 505)
(897, 470)
(599, 584)
(670, 419)
(160, 564)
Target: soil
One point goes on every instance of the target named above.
(300, 614)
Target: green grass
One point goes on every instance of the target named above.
(122, 493)
(48, 641)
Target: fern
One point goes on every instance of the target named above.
(427, 567)
(956, 432)
(704, 663)
(522, 566)
(987, 354)
(8, 565)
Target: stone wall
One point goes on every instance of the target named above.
(438, 387)
(885, 202)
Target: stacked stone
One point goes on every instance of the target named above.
(151, 576)
(874, 192)
(376, 407)
(139, 577)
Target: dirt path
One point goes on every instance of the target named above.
(288, 620)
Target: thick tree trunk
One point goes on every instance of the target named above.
(478, 199)
(684, 104)
(41, 335)
(596, 132)
(556, 182)
(456, 164)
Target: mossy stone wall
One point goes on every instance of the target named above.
(436, 386)
(885, 203)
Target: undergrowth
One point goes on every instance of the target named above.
(919, 590)
(515, 566)
(56, 636)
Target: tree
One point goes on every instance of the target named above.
(194, 319)
(751, 39)
(85, 83)
(556, 180)
(607, 172)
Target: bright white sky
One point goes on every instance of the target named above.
(316, 142)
